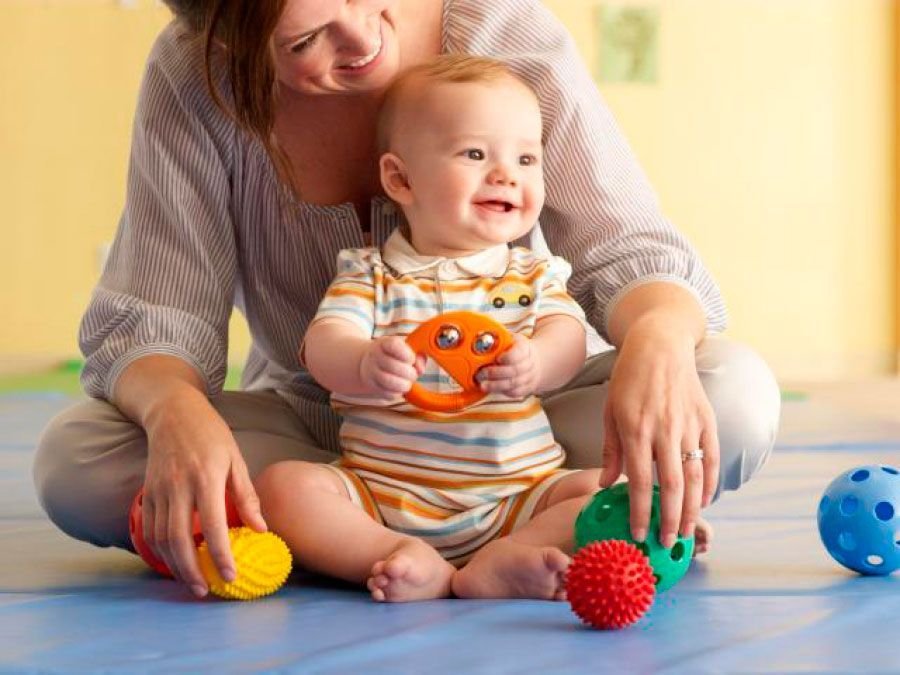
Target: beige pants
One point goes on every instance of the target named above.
(90, 460)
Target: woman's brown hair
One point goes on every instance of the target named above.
(237, 34)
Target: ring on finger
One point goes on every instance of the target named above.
(692, 454)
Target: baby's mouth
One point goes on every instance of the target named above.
(497, 205)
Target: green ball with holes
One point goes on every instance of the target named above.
(605, 516)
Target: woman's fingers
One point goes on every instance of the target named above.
(693, 471)
(214, 524)
(182, 549)
(611, 463)
(671, 487)
(640, 495)
(245, 498)
(709, 442)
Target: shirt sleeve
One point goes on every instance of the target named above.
(351, 296)
(600, 212)
(553, 296)
(168, 284)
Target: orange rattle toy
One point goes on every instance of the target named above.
(461, 343)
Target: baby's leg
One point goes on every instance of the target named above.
(309, 506)
(531, 561)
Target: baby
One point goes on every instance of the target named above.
(429, 504)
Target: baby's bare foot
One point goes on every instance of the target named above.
(507, 569)
(703, 536)
(414, 571)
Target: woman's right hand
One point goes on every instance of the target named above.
(192, 459)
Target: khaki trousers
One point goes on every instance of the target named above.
(91, 459)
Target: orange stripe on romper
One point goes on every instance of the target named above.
(401, 504)
(428, 285)
(346, 291)
(438, 483)
(521, 500)
(369, 506)
(423, 453)
(495, 416)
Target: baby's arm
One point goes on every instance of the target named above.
(561, 344)
(344, 360)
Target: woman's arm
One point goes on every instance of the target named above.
(659, 308)
(155, 333)
(192, 456)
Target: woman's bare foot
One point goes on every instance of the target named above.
(414, 571)
(703, 536)
(504, 568)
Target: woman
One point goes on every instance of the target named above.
(253, 164)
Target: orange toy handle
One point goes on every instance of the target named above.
(136, 529)
(461, 343)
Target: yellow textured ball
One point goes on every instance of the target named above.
(263, 564)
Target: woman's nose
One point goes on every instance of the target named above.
(358, 32)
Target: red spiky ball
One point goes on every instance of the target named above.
(610, 584)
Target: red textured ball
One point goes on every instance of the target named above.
(136, 529)
(610, 584)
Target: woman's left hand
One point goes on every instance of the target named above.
(656, 410)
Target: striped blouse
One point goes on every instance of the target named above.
(206, 225)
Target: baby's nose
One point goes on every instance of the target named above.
(501, 175)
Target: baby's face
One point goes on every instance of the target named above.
(473, 158)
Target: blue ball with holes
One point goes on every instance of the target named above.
(859, 519)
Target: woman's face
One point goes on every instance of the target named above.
(336, 46)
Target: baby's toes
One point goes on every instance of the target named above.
(397, 566)
(556, 561)
(380, 581)
(377, 568)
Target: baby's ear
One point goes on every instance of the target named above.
(394, 178)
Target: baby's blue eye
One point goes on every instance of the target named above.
(475, 154)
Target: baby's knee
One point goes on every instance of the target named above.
(747, 404)
(281, 481)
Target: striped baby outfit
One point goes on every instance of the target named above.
(456, 480)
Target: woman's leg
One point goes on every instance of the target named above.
(740, 388)
(91, 459)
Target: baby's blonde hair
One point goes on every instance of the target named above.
(445, 69)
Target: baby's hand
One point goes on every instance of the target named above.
(390, 366)
(517, 372)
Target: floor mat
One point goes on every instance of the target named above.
(768, 598)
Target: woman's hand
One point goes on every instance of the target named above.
(517, 373)
(192, 460)
(656, 410)
(389, 367)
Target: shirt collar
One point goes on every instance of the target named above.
(399, 254)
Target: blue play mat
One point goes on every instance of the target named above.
(768, 598)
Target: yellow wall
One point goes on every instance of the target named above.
(769, 138)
